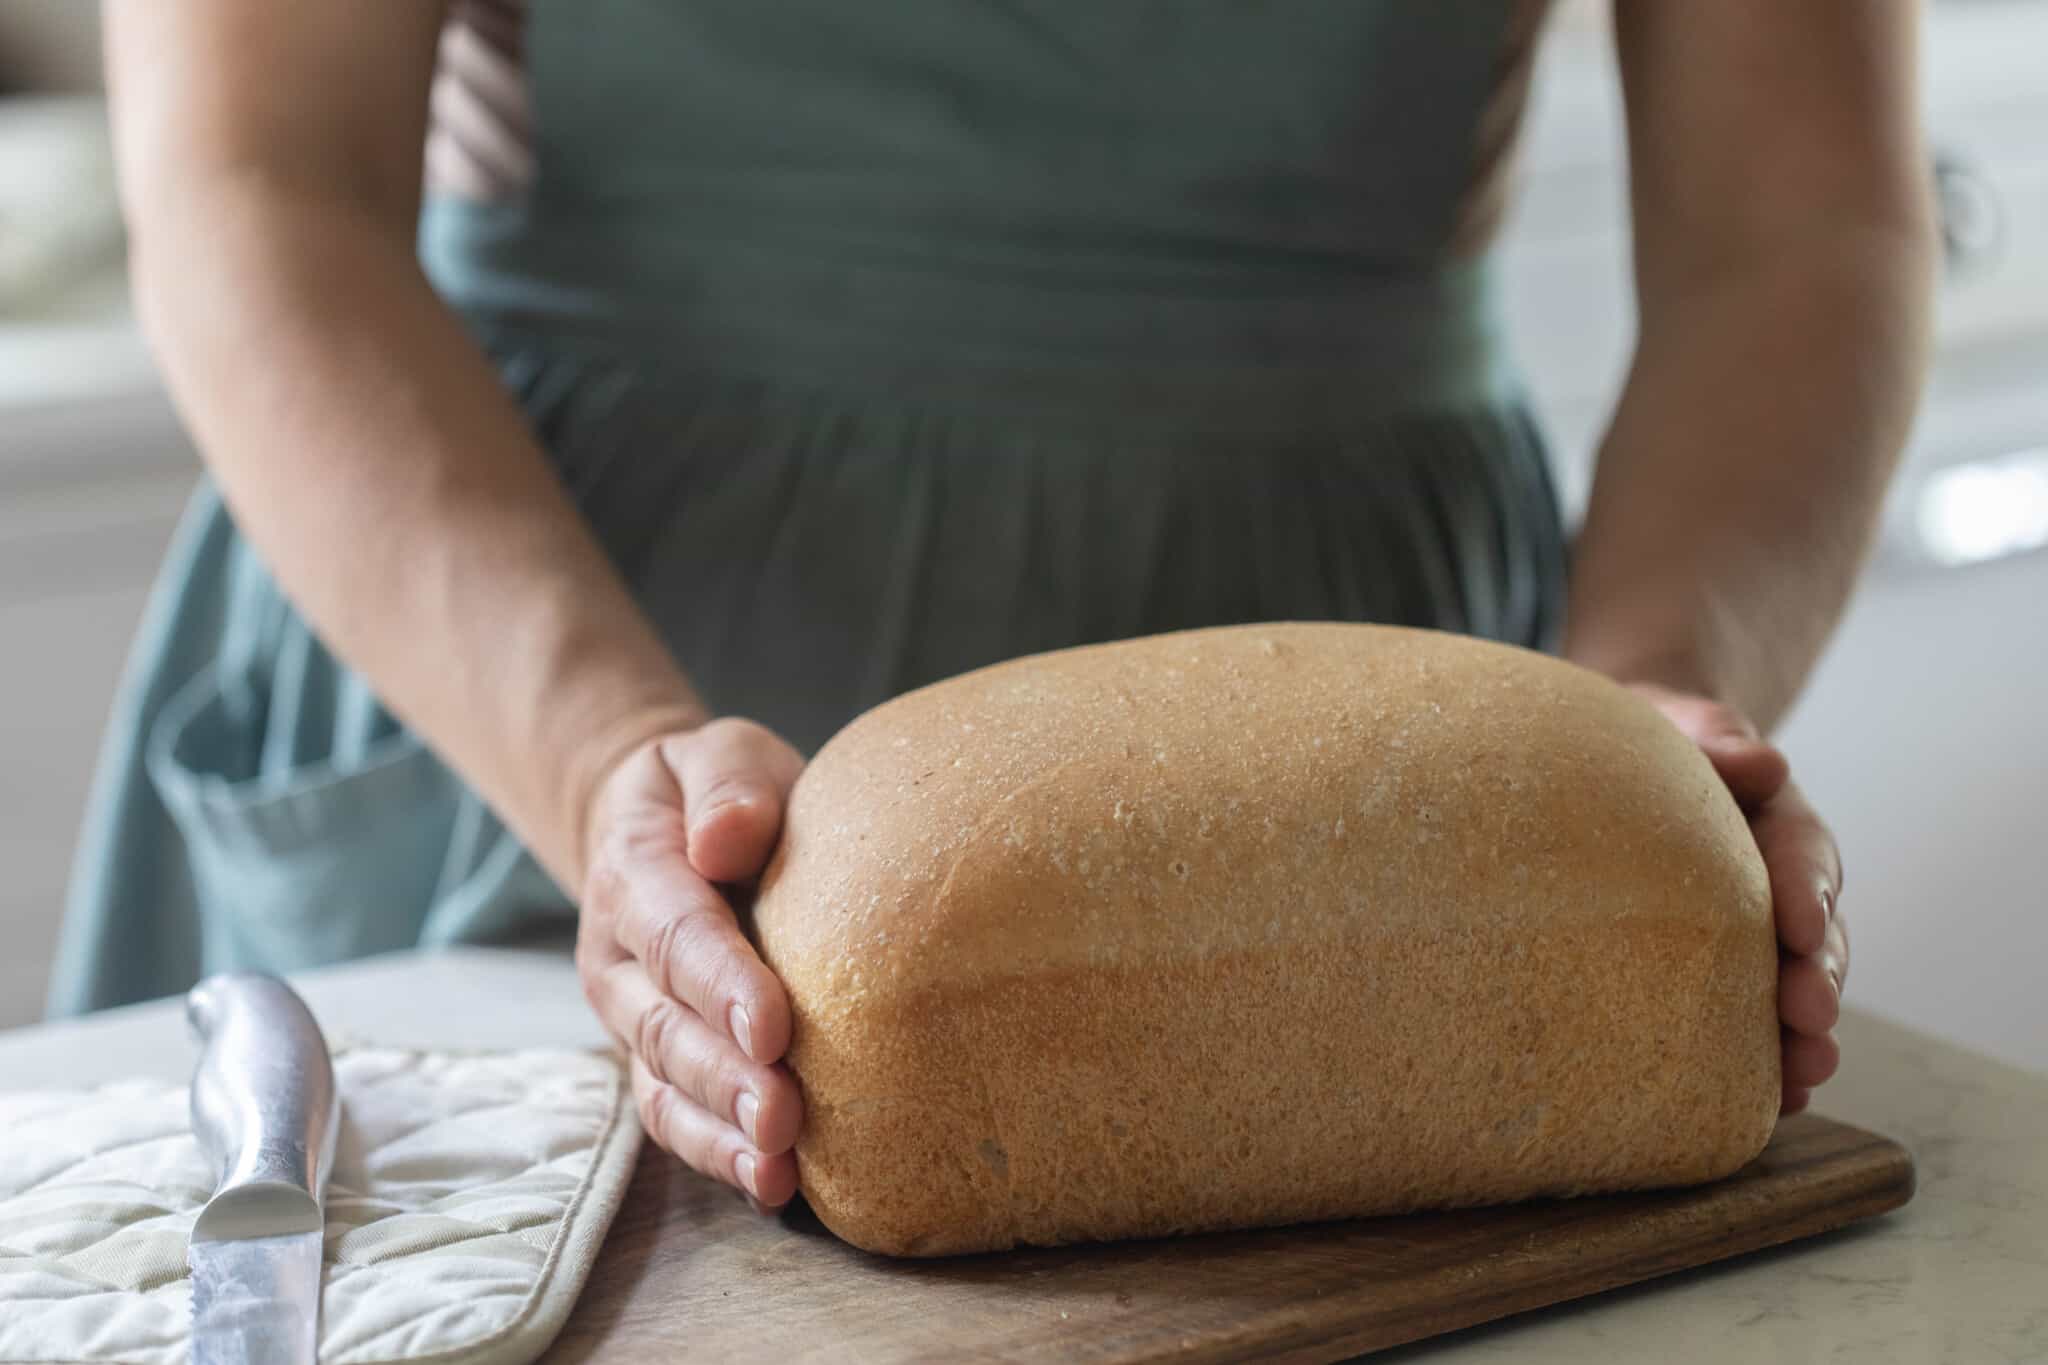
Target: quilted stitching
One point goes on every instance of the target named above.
(455, 1177)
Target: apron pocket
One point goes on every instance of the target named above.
(327, 860)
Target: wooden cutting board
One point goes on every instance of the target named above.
(689, 1273)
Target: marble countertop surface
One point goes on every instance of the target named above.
(1960, 1274)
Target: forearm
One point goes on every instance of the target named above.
(371, 458)
(1740, 483)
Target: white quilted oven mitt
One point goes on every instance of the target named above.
(469, 1196)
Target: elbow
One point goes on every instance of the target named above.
(190, 232)
(1876, 267)
(1892, 256)
(220, 239)
(183, 224)
(153, 274)
(1877, 235)
(1903, 240)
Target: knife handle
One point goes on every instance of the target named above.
(264, 1105)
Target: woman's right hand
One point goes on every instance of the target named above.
(662, 959)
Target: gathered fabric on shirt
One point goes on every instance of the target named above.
(877, 343)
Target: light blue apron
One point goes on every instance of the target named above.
(878, 342)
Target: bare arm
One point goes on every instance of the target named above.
(271, 157)
(1784, 244)
(270, 161)
(1784, 247)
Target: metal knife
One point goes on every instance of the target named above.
(265, 1109)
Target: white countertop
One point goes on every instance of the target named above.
(1960, 1274)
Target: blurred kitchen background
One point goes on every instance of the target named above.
(1924, 736)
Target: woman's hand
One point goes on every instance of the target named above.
(663, 961)
(1806, 881)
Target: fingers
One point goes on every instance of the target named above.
(1751, 766)
(1810, 988)
(1805, 868)
(666, 966)
(684, 934)
(1834, 954)
(1806, 879)
(735, 777)
(1808, 1000)
(707, 1144)
(1809, 1006)
(1754, 770)
(1809, 1060)
(678, 1048)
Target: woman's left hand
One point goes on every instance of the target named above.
(1806, 881)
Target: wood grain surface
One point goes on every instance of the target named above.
(689, 1273)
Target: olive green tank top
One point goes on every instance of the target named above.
(1231, 208)
(875, 343)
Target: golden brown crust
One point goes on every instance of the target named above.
(1263, 924)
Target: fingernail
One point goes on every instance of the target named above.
(1827, 903)
(743, 1167)
(706, 816)
(748, 1110)
(742, 1030)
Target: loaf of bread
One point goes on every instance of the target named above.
(1262, 925)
